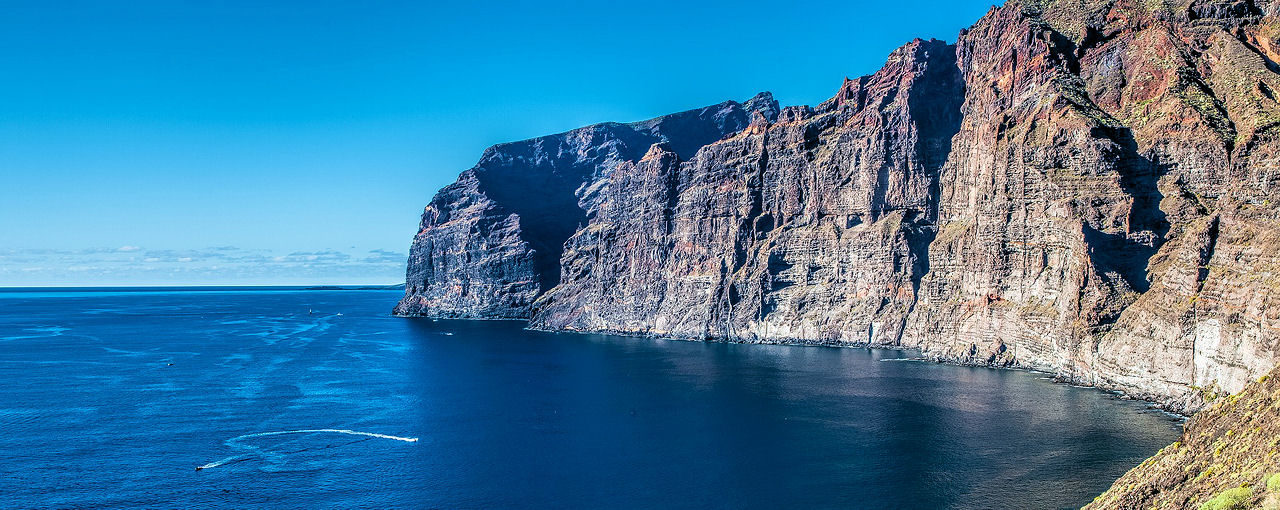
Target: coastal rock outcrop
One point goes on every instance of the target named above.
(490, 243)
(1086, 187)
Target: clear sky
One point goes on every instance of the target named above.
(224, 142)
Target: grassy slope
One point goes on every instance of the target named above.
(1228, 458)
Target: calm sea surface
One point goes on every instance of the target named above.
(310, 399)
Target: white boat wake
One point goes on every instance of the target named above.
(335, 431)
(235, 442)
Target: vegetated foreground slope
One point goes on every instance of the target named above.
(1086, 187)
(1228, 458)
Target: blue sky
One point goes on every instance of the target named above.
(196, 142)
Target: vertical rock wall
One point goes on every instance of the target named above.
(491, 242)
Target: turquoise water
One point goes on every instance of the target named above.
(320, 399)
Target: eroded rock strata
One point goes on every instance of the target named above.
(490, 243)
(1080, 186)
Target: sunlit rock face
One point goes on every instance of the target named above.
(1083, 187)
(811, 228)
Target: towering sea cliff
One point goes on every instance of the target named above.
(1087, 187)
(490, 243)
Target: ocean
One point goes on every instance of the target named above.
(293, 398)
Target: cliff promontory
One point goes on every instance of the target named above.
(1087, 187)
(490, 243)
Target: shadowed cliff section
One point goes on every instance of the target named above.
(938, 121)
(490, 243)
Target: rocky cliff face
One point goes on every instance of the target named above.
(811, 228)
(1081, 186)
(490, 243)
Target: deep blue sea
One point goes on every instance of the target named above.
(310, 399)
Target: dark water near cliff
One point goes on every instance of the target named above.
(112, 399)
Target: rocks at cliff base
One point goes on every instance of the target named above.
(1085, 187)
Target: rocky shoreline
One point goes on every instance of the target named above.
(1179, 408)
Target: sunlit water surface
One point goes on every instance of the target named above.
(314, 399)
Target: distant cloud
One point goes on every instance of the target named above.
(327, 256)
(385, 257)
(217, 264)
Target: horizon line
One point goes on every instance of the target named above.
(161, 286)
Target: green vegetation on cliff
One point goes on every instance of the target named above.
(1228, 458)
